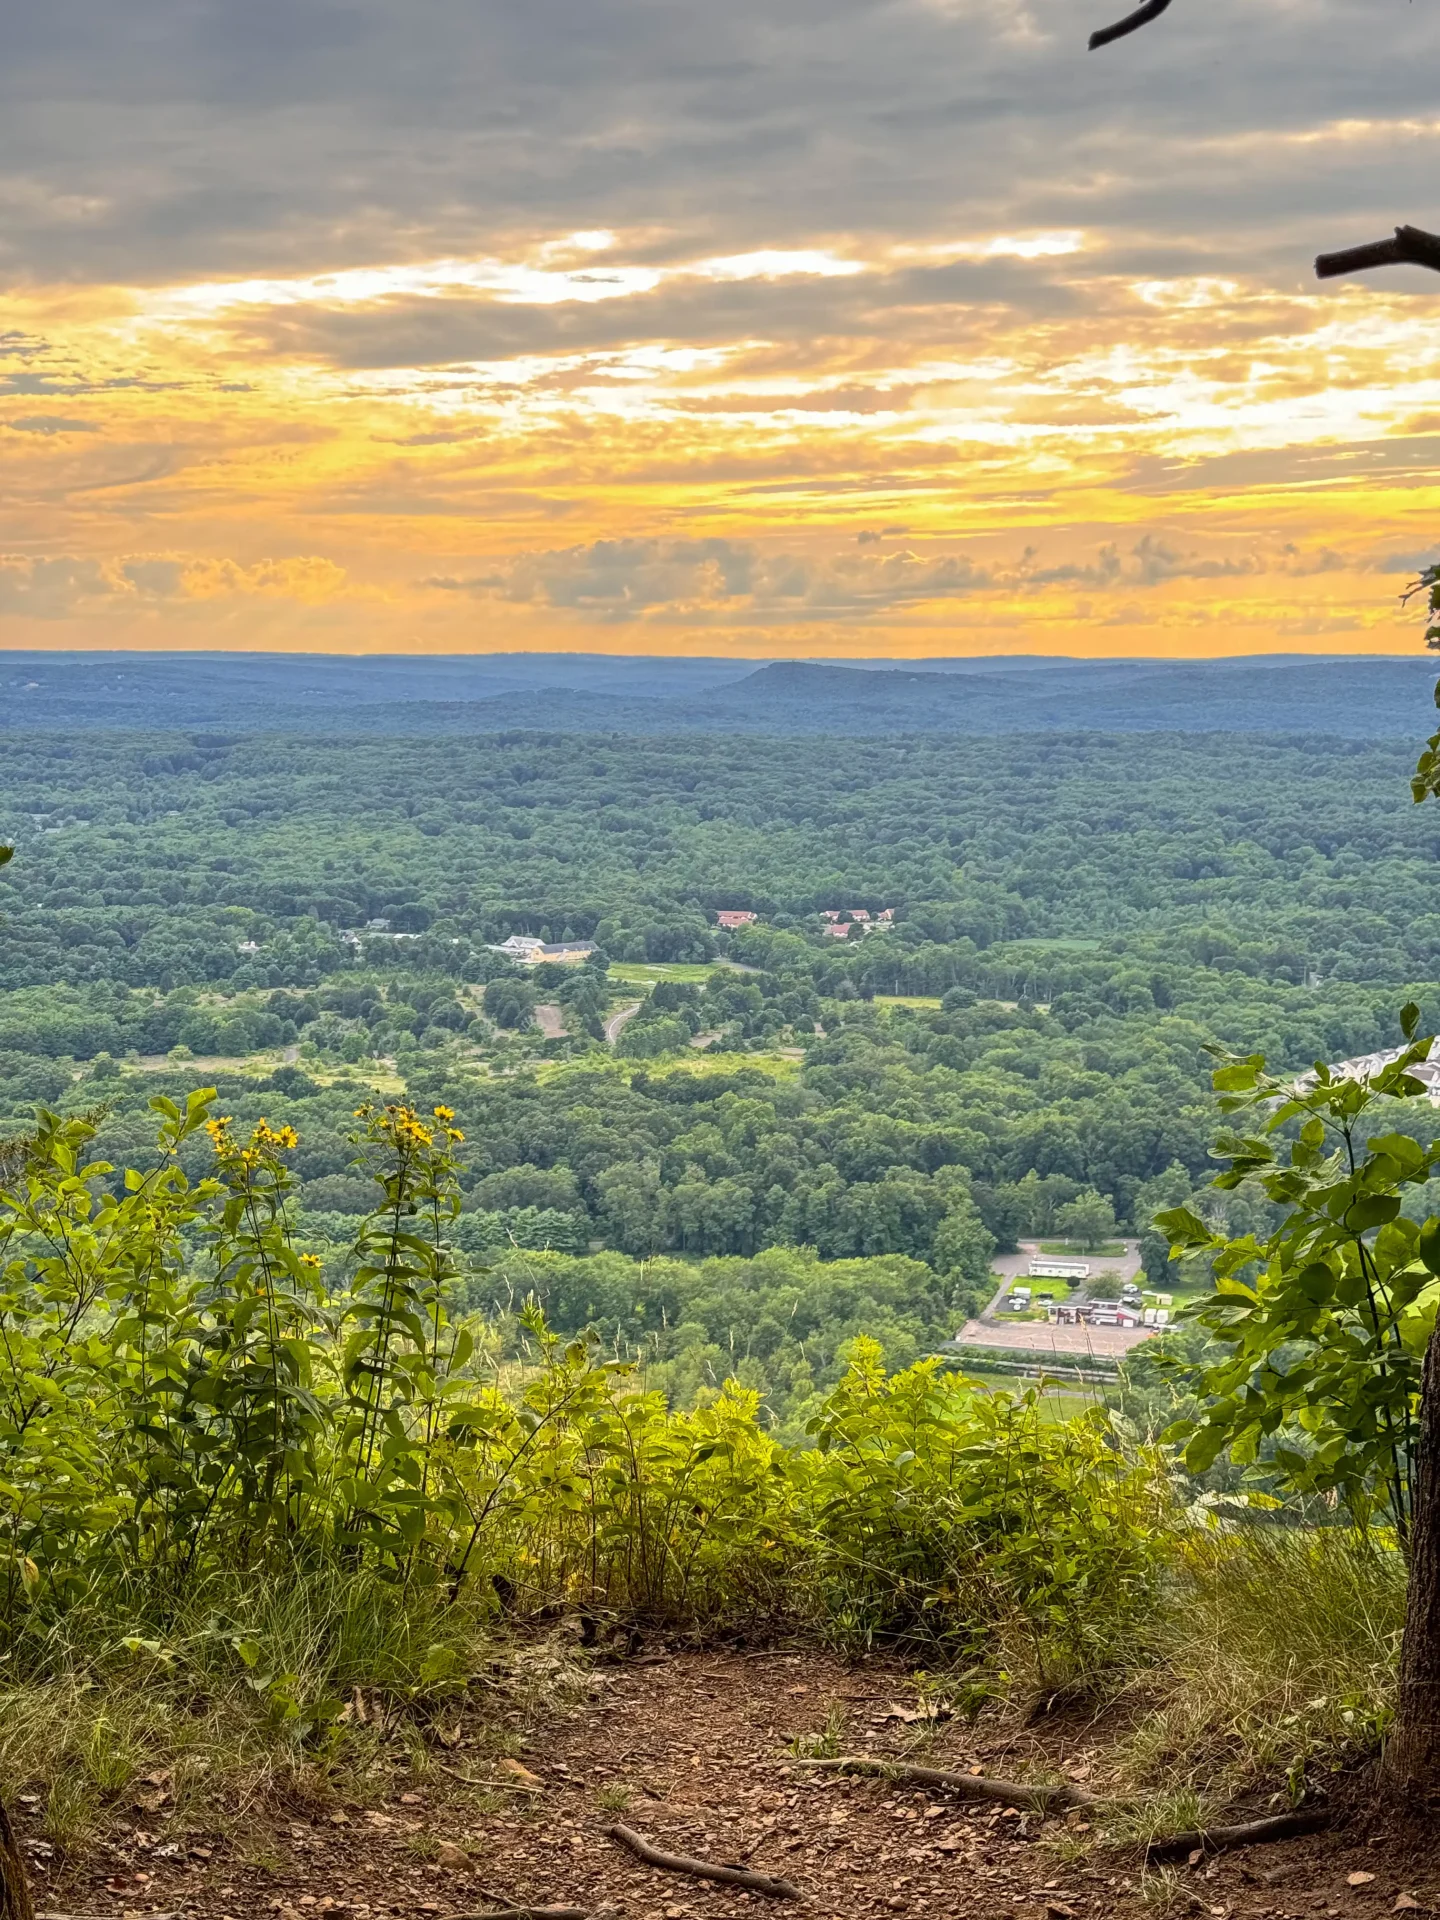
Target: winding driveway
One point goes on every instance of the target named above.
(617, 1021)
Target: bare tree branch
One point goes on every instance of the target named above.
(653, 1856)
(1142, 16)
(1412, 246)
(1281, 1826)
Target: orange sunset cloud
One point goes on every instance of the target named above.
(898, 330)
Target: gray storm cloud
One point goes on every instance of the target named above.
(169, 138)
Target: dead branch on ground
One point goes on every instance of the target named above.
(702, 1869)
(537, 1913)
(965, 1786)
(1251, 1833)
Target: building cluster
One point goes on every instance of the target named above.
(355, 937)
(840, 920)
(1128, 1311)
(530, 951)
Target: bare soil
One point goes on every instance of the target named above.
(689, 1749)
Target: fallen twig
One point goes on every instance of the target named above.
(502, 1783)
(1411, 246)
(1141, 17)
(1251, 1833)
(702, 1869)
(965, 1786)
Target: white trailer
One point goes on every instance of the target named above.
(1051, 1267)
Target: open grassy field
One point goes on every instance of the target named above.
(1059, 1400)
(1040, 945)
(781, 1066)
(648, 973)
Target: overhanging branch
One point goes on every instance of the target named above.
(1132, 22)
(1411, 246)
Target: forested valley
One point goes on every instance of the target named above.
(379, 1289)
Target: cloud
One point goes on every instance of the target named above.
(50, 424)
(149, 141)
(719, 579)
(853, 300)
(55, 587)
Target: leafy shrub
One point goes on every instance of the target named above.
(189, 1408)
(939, 1514)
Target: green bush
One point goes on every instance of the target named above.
(942, 1517)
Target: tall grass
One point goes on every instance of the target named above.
(300, 1680)
(1276, 1660)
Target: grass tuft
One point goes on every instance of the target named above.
(1278, 1656)
(827, 1744)
(126, 1685)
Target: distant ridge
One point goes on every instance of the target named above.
(1359, 698)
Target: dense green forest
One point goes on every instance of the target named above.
(1074, 919)
(152, 861)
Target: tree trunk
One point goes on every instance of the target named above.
(14, 1889)
(1412, 1757)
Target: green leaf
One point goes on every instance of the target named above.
(1239, 1076)
(1316, 1282)
(1409, 1019)
(1430, 1245)
(1408, 1154)
(1206, 1447)
(1371, 1210)
(1182, 1228)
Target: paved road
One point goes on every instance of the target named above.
(617, 1021)
(1126, 1265)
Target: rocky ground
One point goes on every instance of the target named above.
(689, 1750)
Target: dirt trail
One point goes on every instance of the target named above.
(689, 1751)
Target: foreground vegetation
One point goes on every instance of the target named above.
(331, 1390)
(239, 1484)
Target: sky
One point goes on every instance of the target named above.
(838, 328)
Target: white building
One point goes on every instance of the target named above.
(1365, 1065)
(1051, 1267)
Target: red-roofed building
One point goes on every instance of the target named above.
(734, 917)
